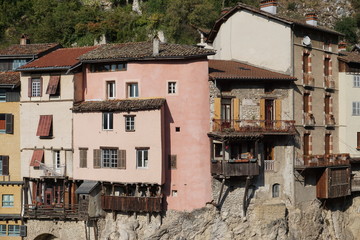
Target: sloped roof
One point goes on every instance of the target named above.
(123, 105)
(240, 6)
(10, 78)
(143, 51)
(223, 69)
(350, 57)
(86, 187)
(60, 58)
(28, 49)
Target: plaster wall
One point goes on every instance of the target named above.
(12, 190)
(257, 43)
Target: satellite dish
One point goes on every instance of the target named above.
(306, 41)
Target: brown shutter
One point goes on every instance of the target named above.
(5, 165)
(9, 118)
(44, 127)
(53, 85)
(83, 158)
(37, 158)
(29, 87)
(278, 113)
(122, 159)
(235, 104)
(97, 158)
(41, 86)
(358, 140)
(217, 108)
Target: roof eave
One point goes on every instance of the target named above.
(32, 69)
(254, 79)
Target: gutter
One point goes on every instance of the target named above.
(41, 69)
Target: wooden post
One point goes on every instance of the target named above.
(73, 195)
(221, 191)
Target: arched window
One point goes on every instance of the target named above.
(276, 190)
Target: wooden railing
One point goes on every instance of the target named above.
(308, 80)
(325, 160)
(309, 119)
(234, 168)
(262, 126)
(131, 204)
(58, 211)
(329, 82)
(329, 120)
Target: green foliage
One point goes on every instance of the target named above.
(291, 6)
(348, 26)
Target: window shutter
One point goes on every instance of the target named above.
(23, 231)
(41, 86)
(122, 159)
(83, 158)
(217, 108)
(262, 109)
(235, 104)
(5, 162)
(9, 123)
(97, 158)
(278, 113)
(358, 140)
(29, 87)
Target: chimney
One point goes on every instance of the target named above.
(24, 40)
(342, 46)
(156, 46)
(311, 19)
(269, 6)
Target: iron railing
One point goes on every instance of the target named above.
(275, 126)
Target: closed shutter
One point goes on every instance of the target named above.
(122, 159)
(83, 158)
(217, 108)
(278, 113)
(9, 118)
(5, 166)
(97, 158)
(358, 140)
(235, 104)
(41, 86)
(262, 112)
(23, 231)
(29, 87)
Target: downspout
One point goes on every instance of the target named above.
(293, 104)
(245, 200)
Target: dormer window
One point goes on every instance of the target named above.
(108, 67)
(18, 63)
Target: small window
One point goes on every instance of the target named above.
(356, 80)
(172, 87)
(2, 230)
(133, 90)
(107, 121)
(174, 193)
(18, 63)
(276, 190)
(177, 129)
(356, 108)
(4, 165)
(14, 230)
(306, 61)
(109, 158)
(7, 200)
(6, 123)
(107, 67)
(130, 123)
(218, 150)
(142, 158)
(36, 87)
(2, 95)
(327, 66)
(110, 90)
(57, 164)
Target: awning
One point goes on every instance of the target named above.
(37, 158)
(53, 84)
(44, 126)
(86, 187)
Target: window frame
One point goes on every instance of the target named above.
(110, 90)
(15, 231)
(35, 87)
(112, 157)
(3, 232)
(172, 87)
(355, 108)
(143, 154)
(107, 121)
(8, 203)
(57, 159)
(356, 81)
(132, 93)
(2, 95)
(129, 123)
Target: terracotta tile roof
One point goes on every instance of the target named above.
(240, 6)
(12, 78)
(144, 51)
(28, 49)
(60, 58)
(222, 69)
(123, 105)
(350, 57)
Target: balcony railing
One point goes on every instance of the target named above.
(309, 120)
(329, 120)
(323, 160)
(262, 126)
(56, 211)
(269, 165)
(52, 170)
(329, 82)
(308, 80)
(355, 184)
(131, 204)
(234, 168)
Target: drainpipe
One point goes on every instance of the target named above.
(245, 200)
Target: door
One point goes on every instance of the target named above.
(269, 113)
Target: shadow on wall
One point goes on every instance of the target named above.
(46, 236)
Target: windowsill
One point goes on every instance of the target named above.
(142, 168)
(108, 130)
(46, 137)
(129, 130)
(7, 206)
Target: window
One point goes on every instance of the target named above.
(306, 146)
(6, 123)
(45, 128)
(142, 158)
(218, 150)
(110, 90)
(327, 67)
(109, 158)
(133, 90)
(130, 123)
(14, 230)
(356, 108)
(7, 200)
(4, 165)
(107, 121)
(108, 67)
(306, 57)
(276, 190)
(2, 230)
(328, 144)
(18, 63)
(83, 157)
(356, 80)
(327, 101)
(57, 159)
(54, 86)
(2, 95)
(35, 87)
(171, 87)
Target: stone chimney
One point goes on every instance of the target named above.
(269, 6)
(342, 46)
(156, 46)
(24, 39)
(311, 19)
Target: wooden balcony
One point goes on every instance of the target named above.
(329, 83)
(131, 204)
(327, 160)
(333, 183)
(309, 120)
(329, 120)
(57, 211)
(308, 80)
(355, 184)
(235, 168)
(258, 126)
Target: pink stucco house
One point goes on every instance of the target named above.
(141, 130)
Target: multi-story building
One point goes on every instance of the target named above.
(49, 87)
(309, 53)
(146, 111)
(10, 165)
